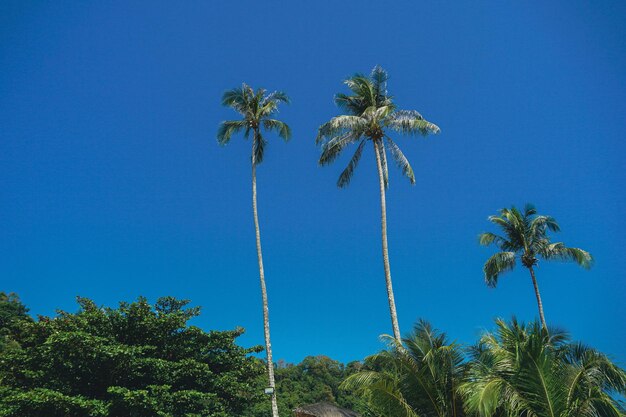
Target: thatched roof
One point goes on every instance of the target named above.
(323, 410)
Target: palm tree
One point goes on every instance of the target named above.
(256, 108)
(525, 236)
(521, 370)
(419, 378)
(371, 114)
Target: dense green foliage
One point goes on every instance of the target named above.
(418, 378)
(136, 360)
(144, 360)
(315, 379)
(12, 313)
(521, 370)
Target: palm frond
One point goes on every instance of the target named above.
(401, 160)
(362, 87)
(487, 238)
(379, 76)
(268, 104)
(281, 128)
(529, 210)
(379, 79)
(238, 99)
(332, 148)
(276, 96)
(346, 175)
(411, 122)
(558, 251)
(541, 223)
(354, 105)
(227, 128)
(377, 113)
(496, 265)
(338, 125)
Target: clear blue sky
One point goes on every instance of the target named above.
(112, 184)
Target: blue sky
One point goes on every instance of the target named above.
(112, 184)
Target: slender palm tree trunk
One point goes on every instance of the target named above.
(539, 303)
(383, 219)
(266, 313)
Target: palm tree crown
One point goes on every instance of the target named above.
(371, 113)
(419, 378)
(525, 235)
(521, 370)
(257, 108)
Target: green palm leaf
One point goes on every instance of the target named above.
(496, 265)
(401, 160)
(346, 175)
(228, 128)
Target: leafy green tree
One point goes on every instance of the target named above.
(13, 313)
(419, 378)
(315, 379)
(135, 360)
(525, 236)
(371, 114)
(256, 108)
(521, 370)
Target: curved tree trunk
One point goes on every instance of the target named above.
(541, 316)
(383, 219)
(266, 314)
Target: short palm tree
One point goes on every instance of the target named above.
(525, 236)
(256, 108)
(371, 116)
(521, 370)
(417, 379)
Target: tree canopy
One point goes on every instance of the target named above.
(315, 379)
(12, 314)
(135, 360)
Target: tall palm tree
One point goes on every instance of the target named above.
(371, 115)
(521, 370)
(417, 379)
(525, 236)
(256, 108)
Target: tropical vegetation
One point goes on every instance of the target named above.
(525, 237)
(371, 116)
(418, 378)
(521, 370)
(143, 359)
(136, 360)
(315, 379)
(257, 109)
